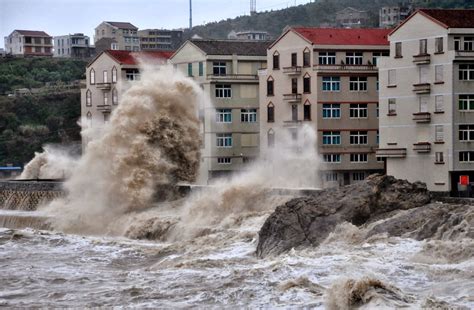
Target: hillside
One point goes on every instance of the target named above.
(311, 14)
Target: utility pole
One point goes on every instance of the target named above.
(190, 15)
(253, 7)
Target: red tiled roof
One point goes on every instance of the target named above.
(452, 18)
(32, 33)
(123, 25)
(130, 58)
(343, 36)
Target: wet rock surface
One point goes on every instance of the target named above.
(307, 221)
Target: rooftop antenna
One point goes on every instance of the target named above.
(253, 7)
(190, 14)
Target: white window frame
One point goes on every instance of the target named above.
(359, 137)
(392, 77)
(92, 76)
(358, 110)
(358, 176)
(466, 72)
(327, 58)
(224, 140)
(224, 116)
(439, 157)
(392, 106)
(106, 98)
(88, 98)
(331, 83)
(224, 160)
(332, 158)
(248, 115)
(467, 101)
(354, 58)
(330, 176)
(220, 67)
(439, 133)
(466, 132)
(439, 103)
(223, 91)
(468, 44)
(114, 75)
(359, 157)
(105, 76)
(333, 137)
(439, 73)
(358, 83)
(330, 110)
(466, 156)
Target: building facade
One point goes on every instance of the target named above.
(160, 39)
(427, 99)
(227, 71)
(326, 79)
(391, 16)
(29, 43)
(72, 46)
(124, 34)
(352, 18)
(249, 35)
(107, 77)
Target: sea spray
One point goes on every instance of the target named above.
(55, 162)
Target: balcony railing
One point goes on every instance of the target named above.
(341, 67)
(292, 98)
(104, 108)
(464, 54)
(391, 152)
(232, 77)
(103, 86)
(422, 88)
(291, 123)
(422, 147)
(296, 70)
(422, 117)
(422, 59)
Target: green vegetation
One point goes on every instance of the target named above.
(29, 122)
(312, 14)
(38, 72)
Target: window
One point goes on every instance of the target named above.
(469, 43)
(358, 110)
(224, 115)
(398, 50)
(331, 110)
(439, 103)
(106, 117)
(466, 102)
(307, 84)
(223, 91)
(331, 176)
(294, 85)
(106, 98)
(331, 83)
(114, 75)
(92, 76)
(392, 77)
(358, 137)
(114, 46)
(114, 96)
(219, 68)
(224, 160)
(358, 83)
(423, 107)
(306, 58)
(358, 176)
(132, 75)
(331, 137)
(376, 55)
(224, 140)
(466, 72)
(358, 157)
(392, 106)
(332, 158)
(201, 68)
(88, 98)
(354, 58)
(294, 112)
(89, 119)
(466, 132)
(466, 157)
(457, 43)
(439, 158)
(271, 138)
(439, 45)
(248, 115)
(270, 113)
(327, 58)
(439, 133)
(423, 46)
(276, 61)
(270, 88)
(190, 69)
(307, 111)
(104, 76)
(439, 74)
(294, 59)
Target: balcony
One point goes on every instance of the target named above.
(391, 152)
(422, 117)
(292, 98)
(292, 123)
(422, 88)
(292, 70)
(345, 68)
(422, 147)
(232, 77)
(422, 59)
(106, 108)
(103, 86)
(468, 55)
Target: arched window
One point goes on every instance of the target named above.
(307, 83)
(270, 113)
(114, 96)
(271, 138)
(270, 86)
(92, 76)
(88, 98)
(307, 111)
(276, 60)
(106, 98)
(114, 75)
(89, 119)
(306, 58)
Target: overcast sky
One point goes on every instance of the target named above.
(60, 17)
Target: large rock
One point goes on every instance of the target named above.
(307, 221)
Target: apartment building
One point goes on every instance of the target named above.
(72, 46)
(227, 71)
(427, 99)
(108, 75)
(249, 35)
(160, 39)
(391, 16)
(29, 43)
(352, 18)
(124, 34)
(328, 79)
